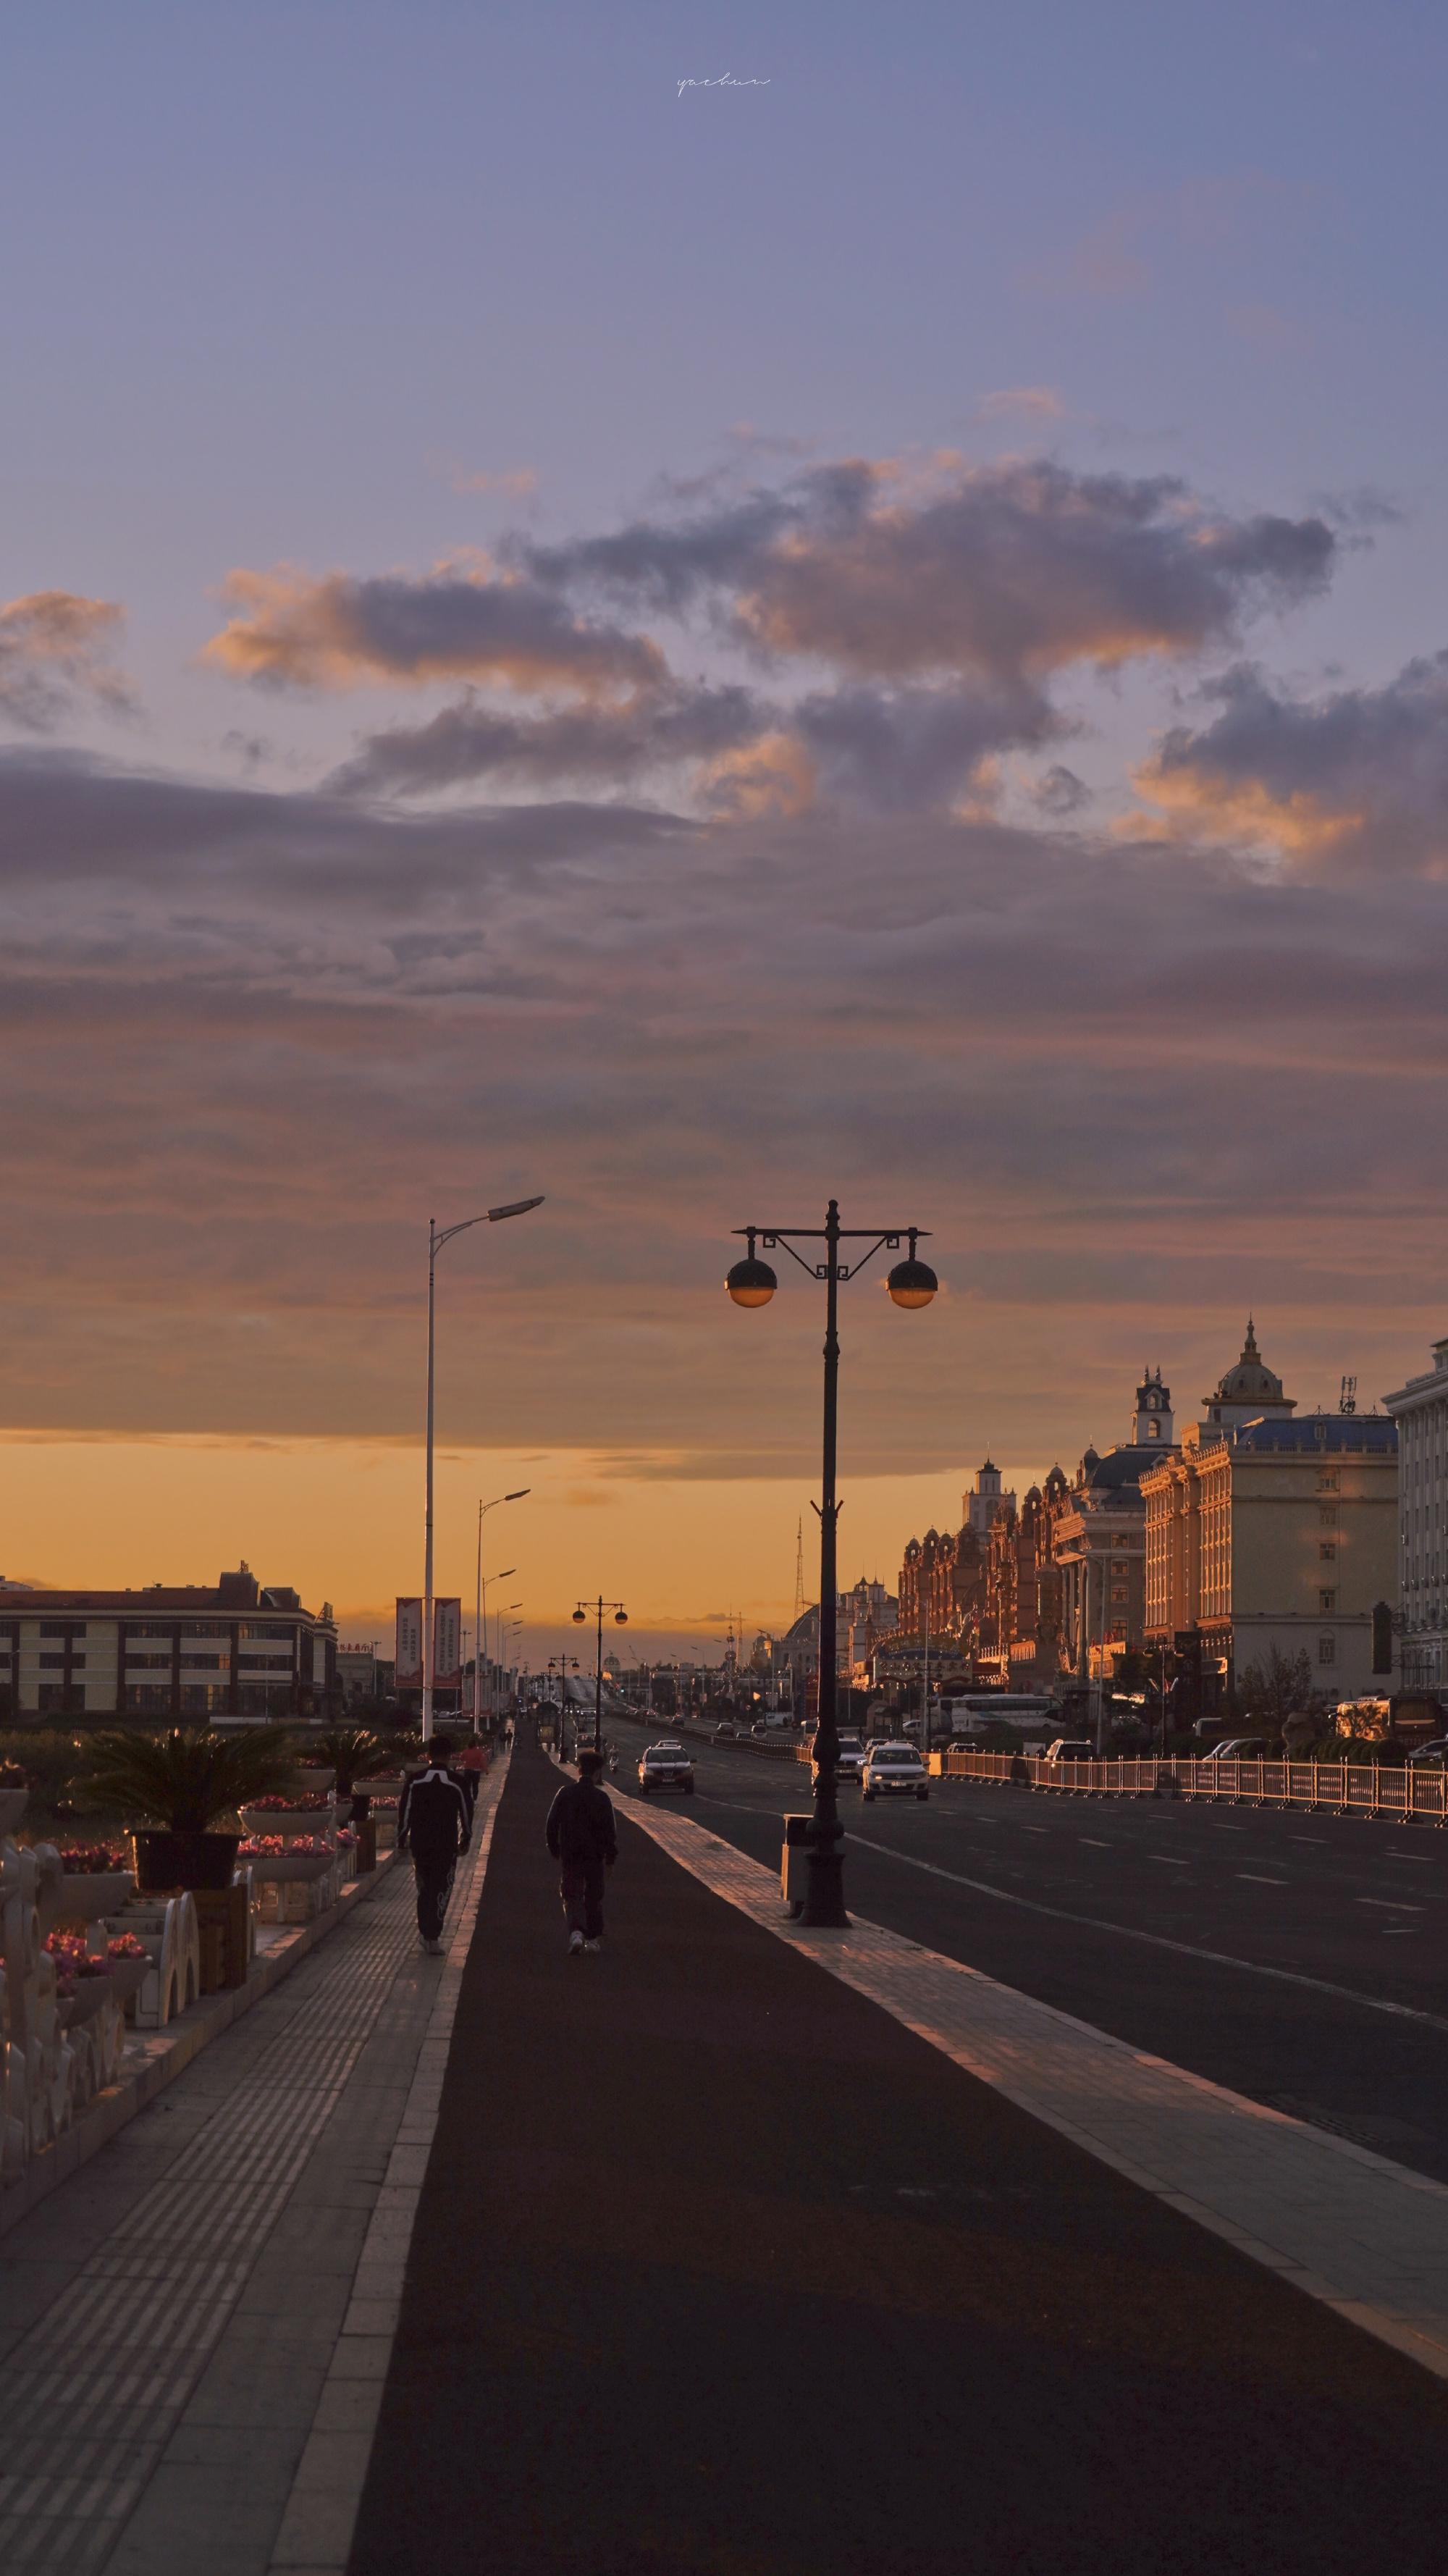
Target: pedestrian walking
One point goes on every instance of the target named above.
(582, 1840)
(435, 1820)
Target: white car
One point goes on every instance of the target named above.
(894, 1771)
(666, 1766)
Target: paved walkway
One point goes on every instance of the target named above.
(719, 2266)
(1366, 2236)
(175, 2318)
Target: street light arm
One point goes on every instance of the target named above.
(489, 1216)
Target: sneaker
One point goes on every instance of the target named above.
(593, 1945)
(434, 1949)
(575, 1944)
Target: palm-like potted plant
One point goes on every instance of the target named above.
(179, 1787)
(354, 1753)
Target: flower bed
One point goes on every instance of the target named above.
(272, 1856)
(95, 1879)
(299, 1816)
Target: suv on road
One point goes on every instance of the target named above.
(849, 1759)
(1071, 1748)
(894, 1771)
(666, 1766)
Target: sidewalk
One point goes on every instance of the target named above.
(719, 2267)
(173, 2317)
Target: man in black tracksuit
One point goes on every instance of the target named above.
(434, 1819)
(583, 1842)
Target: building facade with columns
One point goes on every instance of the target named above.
(1099, 1539)
(1267, 1531)
(1420, 1410)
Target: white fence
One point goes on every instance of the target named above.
(1348, 1788)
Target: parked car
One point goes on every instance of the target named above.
(1071, 1748)
(850, 1759)
(894, 1771)
(1238, 1748)
(1432, 1756)
(666, 1766)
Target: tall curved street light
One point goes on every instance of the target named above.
(586, 1610)
(911, 1284)
(480, 1631)
(482, 1594)
(437, 1236)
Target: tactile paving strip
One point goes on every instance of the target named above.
(93, 2392)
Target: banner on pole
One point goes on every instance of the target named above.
(409, 1643)
(447, 1643)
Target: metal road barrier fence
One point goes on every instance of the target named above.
(1349, 1788)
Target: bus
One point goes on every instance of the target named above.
(1030, 1712)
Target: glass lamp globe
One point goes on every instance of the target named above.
(751, 1282)
(912, 1283)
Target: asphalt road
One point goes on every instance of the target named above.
(1299, 1958)
(720, 2271)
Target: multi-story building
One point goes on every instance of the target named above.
(1420, 1410)
(357, 1672)
(1267, 1532)
(230, 1651)
(1099, 1539)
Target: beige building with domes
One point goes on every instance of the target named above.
(1266, 1531)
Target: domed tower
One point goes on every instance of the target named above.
(1152, 1428)
(1247, 1391)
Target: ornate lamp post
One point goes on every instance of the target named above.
(751, 1282)
(585, 1610)
(437, 1236)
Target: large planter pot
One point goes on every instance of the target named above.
(317, 1775)
(86, 1894)
(264, 1865)
(164, 1861)
(12, 1808)
(287, 1820)
(90, 1994)
(128, 1977)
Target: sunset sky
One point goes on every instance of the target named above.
(879, 629)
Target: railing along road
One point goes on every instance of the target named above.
(1351, 1788)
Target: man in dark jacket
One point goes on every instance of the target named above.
(435, 1820)
(583, 1842)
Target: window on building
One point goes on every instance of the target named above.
(1326, 1548)
(266, 1628)
(203, 1699)
(1327, 1600)
(1327, 1519)
(148, 1628)
(61, 1699)
(1327, 1650)
(148, 1660)
(194, 1663)
(1120, 1592)
(1327, 1484)
(148, 1699)
(52, 1663)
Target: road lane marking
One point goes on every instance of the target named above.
(1390, 1904)
(1259, 1881)
(1170, 1860)
(1319, 1842)
(1095, 1846)
(1162, 1941)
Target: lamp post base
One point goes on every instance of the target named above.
(824, 1890)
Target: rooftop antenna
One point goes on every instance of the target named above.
(799, 1568)
(1347, 1398)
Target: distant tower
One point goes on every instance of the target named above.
(1153, 1425)
(988, 1501)
(799, 1568)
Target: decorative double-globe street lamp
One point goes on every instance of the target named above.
(751, 1282)
(584, 1611)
